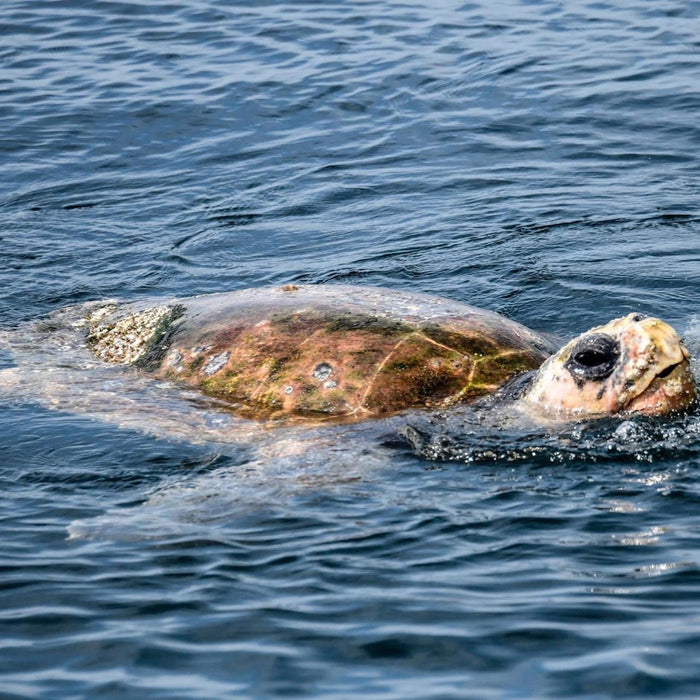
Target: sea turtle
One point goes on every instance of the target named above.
(310, 365)
(313, 352)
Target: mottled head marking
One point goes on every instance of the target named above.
(633, 364)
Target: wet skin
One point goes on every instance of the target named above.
(633, 364)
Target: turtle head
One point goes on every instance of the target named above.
(634, 364)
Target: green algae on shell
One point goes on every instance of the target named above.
(320, 351)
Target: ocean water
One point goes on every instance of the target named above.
(536, 158)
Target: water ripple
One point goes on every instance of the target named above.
(535, 159)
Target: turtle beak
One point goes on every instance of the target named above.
(670, 386)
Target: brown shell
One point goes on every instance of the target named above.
(334, 350)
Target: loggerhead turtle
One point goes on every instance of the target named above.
(318, 359)
(313, 352)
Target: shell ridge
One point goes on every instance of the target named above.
(259, 388)
(448, 401)
(380, 368)
(436, 343)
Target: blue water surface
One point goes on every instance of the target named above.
(535, 157)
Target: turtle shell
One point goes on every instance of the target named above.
(321, 350)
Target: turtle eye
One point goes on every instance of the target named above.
(593, 357)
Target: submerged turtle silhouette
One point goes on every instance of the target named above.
(310, 353)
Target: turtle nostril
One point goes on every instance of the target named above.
(639, 317)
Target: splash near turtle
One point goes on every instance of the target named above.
(319, 352)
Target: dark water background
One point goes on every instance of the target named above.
(536, 158)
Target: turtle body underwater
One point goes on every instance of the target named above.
(310, 353)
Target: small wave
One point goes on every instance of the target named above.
(471, 436)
